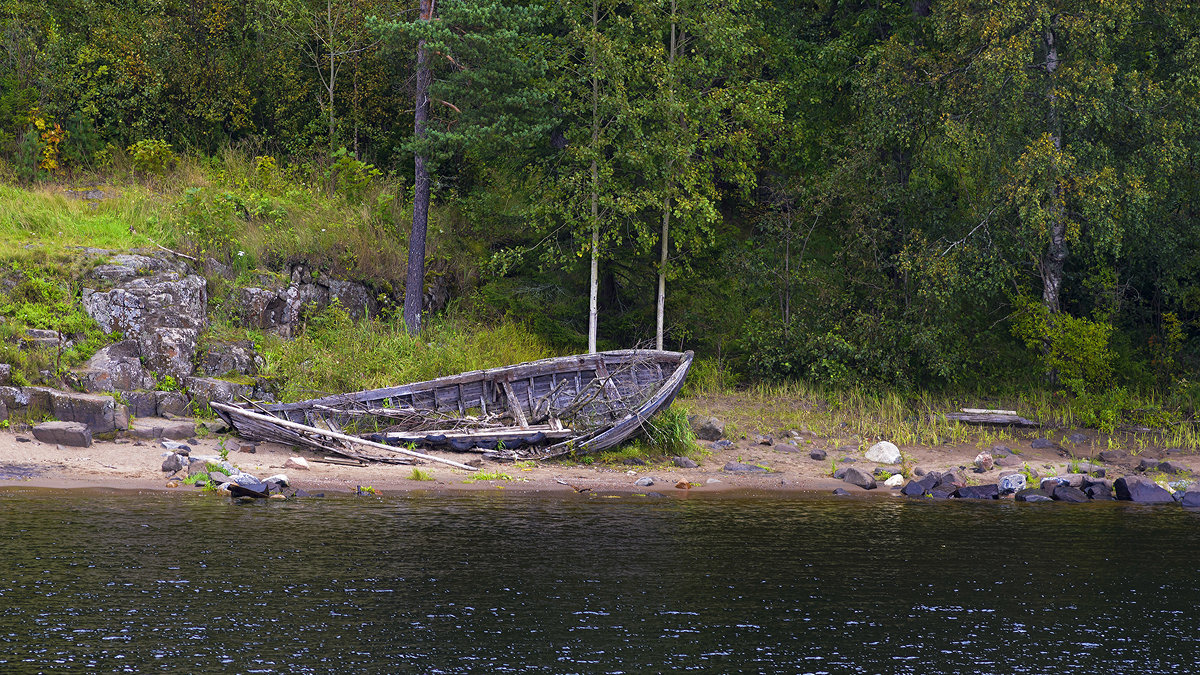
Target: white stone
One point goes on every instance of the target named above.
(884, 452)
(298, 463)
(895, 481)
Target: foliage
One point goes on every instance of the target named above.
(669, 433)
(420, 474)
(150, 157)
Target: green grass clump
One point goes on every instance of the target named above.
(488, 475)
(336, 354)
(419, 474)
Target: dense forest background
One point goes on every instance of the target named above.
(928, 194)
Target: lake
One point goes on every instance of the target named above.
(146, 582)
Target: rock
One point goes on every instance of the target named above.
(1066, 493)
(249, 482)
(683, 485)
(1078, 438)
(3, 411)
(1050, 484)
(738, 467)
(1033, 495)
(999, 451)
(177, 446)
(230, 358)
(298, 463)
(248, 448)
(849, 460)
(141, 403)
(5, 373)
(1008, 461)
(991, 491)
(101, 414)
(684, 463)
(1111, 456)
(1088, 467)
(841, 492)
(919, 471)
(164, 313)
(720, 445)
(984, 462)
(921, 486)
(1041, 444)
(840, 473)
(172, 403)
(860, 478)
(1013, 482)
(159, 428)
(174, 462)
(884, 452)
(1147, 463)
(952, 478)
(1173, 468)
(894, 481)
(197, 465)
(74, 434)
(634, 461)
(117, 367)
(943, 492)
(707, 428)
(1191, 498)
(205, 390)
(763, 440)
(786, 448)
(711, 481)
(1098, 491)
(644, 481)
(1141, 490)
(817, 454)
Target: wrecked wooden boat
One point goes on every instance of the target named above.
(537, 410)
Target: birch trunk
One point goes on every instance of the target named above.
(594, 280)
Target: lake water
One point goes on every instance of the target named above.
(506, 583)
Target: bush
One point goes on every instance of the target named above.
(1073, 350)
(151, 157)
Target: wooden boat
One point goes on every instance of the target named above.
(541, 409)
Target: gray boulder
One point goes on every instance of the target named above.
(1013, 482)
(684, 463)
(101, 414)
(5, 373)
(739, 467)
(818, 454)
(205, 390)
(644, 481)
(172, 403)
(1141, 490)
(707, 428)
(1191, 498)
(74, 434)
(117, 367)
(860, 478)
(884, 452)
(224, 358)
(174, 462)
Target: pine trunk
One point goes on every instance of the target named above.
(414, 284)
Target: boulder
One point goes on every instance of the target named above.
(707, 428)
(860, 478)
(1147, 463)
(5, 373)
(1066, 493)
(1033, 495)
(817, 454)
(151, 428)
(786, 448)
(141, 403)
(1008, 461)
(1111, 456)
(840, 473)
(117, 367)
(991, 491)
(101, 414)
(943, 492)
(1078, 438)
(1088, 467)
(1141, 490)
(74, 434)
(1050, 484)
(298, 463)
(921, 486)
(1041, 444)
(763, 440)
(225, 358)
(739, 467)
(3, 411)
(1173, 468)
(884, 452)
(894, 481)
(984, 462)
(684, 463)
(164, 313)
(841, 492)
(174, 462)
(1191, 498)
(1012, 483)
(206, 389)
(644, 481)
(172, 403)
(1098, 491)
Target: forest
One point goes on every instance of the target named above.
(925, 195)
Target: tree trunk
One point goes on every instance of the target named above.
(1056, 252)
(594, 280)
(661, 310)
(414, 284)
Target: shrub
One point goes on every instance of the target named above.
(151, 157)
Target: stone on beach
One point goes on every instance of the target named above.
(1141, 490)
(707, 428)
(860, 478)
(984, 462)
(74, 434)
(884, 452)
(298, 463)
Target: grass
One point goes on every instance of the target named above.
(420, 474)
(488, 475)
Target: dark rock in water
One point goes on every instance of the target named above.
(720, 445)
(1141, 490)
(1041, 443)
(1172, 468)
(840, 492)
(1078, 438)
(634, 461)
(249, 482)
(921, 486)
(1098, 492)
(991, 491)
(1066, 493)
(1191, 498)
(860, 478)
(784, 447)
(738, 467)
(301, 493)
(1111, 456)
(684, 463)
(1033, 495)
(943, 492)
(817, 454)
(952, 479)
(236, 490)
(913, 489)
(841, 473)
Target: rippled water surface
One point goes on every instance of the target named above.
(158, 582)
